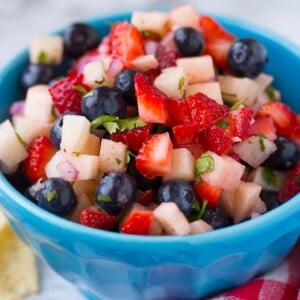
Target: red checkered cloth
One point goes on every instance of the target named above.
(283, 283)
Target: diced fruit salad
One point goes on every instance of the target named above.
(167, 125)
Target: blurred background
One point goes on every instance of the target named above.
(21, 19)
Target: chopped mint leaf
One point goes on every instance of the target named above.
(261, 140)
(269, 176)
(54, 112)
(203, 207)
(42, 57)
(297, 179)
(90, 93)
(130, 123)
(148, 34)
(128, 153)
(76, 153)
(21, 140)
(237, 104)
(80, 89)
(101, 120)
(222, 124)
(270, 91)
(118, 161)
(100, 81)
(196, 211)
(205, 163)
(181, 83)
(51, 195)
(229, 95)
(111, 127)
(103, 198)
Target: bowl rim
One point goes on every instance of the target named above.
(114, 238)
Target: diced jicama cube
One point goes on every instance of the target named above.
(112, 156)
(171, 82)
(210, 89)
(29, 129)
(145, 62)
(38, 104)
(197, 69)
(150, 21)
(200, 226)
(46, 49)
(260, 207)
(254, 150)
(268, 179)
(12, 151)
(183, 163)
(172, 220)
(226, 172)
(235, 89)
(83, 203)
(75, 133)
(262, 98)
(263, 80)
(184, 16)
(92, 145)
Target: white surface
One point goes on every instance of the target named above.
(21, 19)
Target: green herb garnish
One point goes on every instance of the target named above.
(229, 95)
(42, 57)
(130, 123)
(101, 120)
(76, 153)
(111, 127)
(261, 141)
(21, 140)
(51, 195)
(203, 207)
(270, 91)
(237, 104)
(222, 124)
(269, 176)
(148, 34)
(205, 163)
(80, 89)
(181, 83)
(103, 198)
(118, 161)
(128, 153)
(100, 81)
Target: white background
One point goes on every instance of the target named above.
(21, 19)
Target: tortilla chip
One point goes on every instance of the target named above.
(18, 275)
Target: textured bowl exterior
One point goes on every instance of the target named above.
(106, 265)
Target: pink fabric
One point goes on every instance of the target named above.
(283, 283)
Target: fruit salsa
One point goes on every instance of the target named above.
(167, 125)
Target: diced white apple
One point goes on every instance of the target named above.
(260, 206)
(197, 69)
(183, 163)
(83, 203)
(38, 104)
(268, 179)
(112, 156)
(46, 49)
(12, 151)
(172, 82)
(226, 173)
(172, 220)
(235, 89)
(145, 63)
(152, 21)
(254, 150)
(262, 98)
(184, 16)
(92, 145)
(210, 89)
(29, 129)
(199, 226)
(263, 80)
(75, 133)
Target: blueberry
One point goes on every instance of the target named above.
(32, 190)
(103, 101)
(79, 38)
(124, 83)
(216, 218)
(285, 157)
(247, 57)
(37, 74)
(270, 198)
(115, 193)
(57, 196)
(183, 194)
(188, 41)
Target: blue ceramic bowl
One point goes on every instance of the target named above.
(107, 265)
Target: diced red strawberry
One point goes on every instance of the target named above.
(152, 74)
(184, 134)
(217, 140)
(90, 56)
(105, 46)
(295, 135)
(282, 115)
(298, 119)
(138, 222)
(92, 217)
(126, 42)
(65, 96)
(291, 186)
(178, 111)
(145, 198)
(133, 138)
(265, 126)
(206, 191)
(152, 104)
(196, 149)
(40, 152)
(166, 57)
(154, 158)
(205, 111)
(239, 122)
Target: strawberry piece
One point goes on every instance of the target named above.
(92, 217)
(126, 43)
(196, 149)
(282, 115)
(90, 56)
(291, 186)
(40, 152)
(65, 96)
(217, 140)
(265, 126)
(208, 192)
(105, 46)
(145, 198)
(205, 111)
(152, 74)
(166, 58)
(133, 138)
(154, 158)
(298, 119)
(184, 134)
(138, 222)
(178, 111)
(152, 104)
(295, 135)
